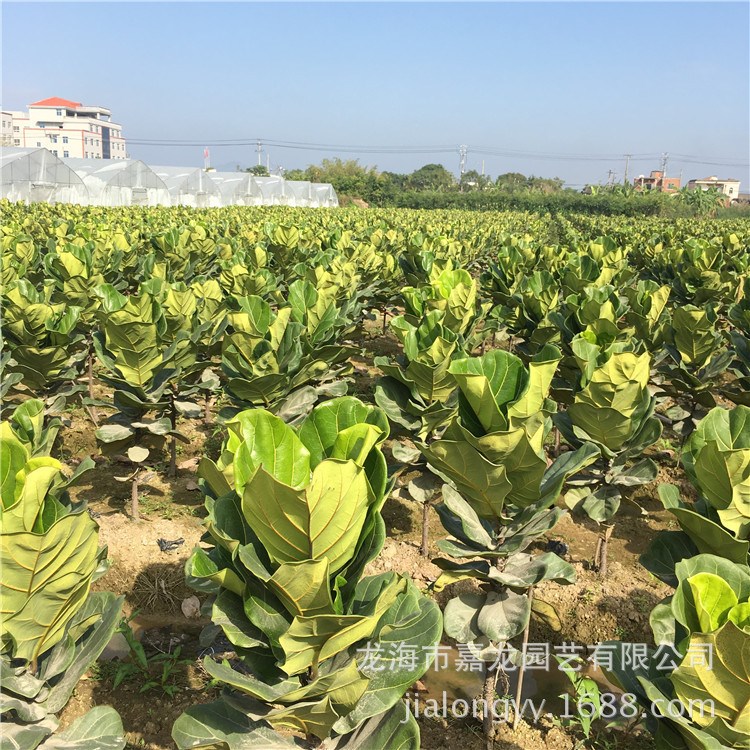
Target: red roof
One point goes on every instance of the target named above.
(56, 101)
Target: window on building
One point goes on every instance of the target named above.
(65, 139)
(15, 128)
(38, 144)
(17, 142)
(58, 112)
(55, 152)
(731, 190)
(66, 154)
(54, 138)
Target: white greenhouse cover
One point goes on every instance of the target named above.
(190, 186)
(297, 193)
(120, 182)
(266, 191)
(36, 175)
(324, 196)
(233, 186)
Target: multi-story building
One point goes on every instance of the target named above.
(6, 129)
(68, 129)
(657, 181)
(730, 188)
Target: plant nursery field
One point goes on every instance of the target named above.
(370, 479)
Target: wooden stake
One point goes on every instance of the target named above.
(425, 529)
(134, 512)
(524, 644)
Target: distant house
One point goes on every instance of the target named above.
(730, 187)
(657, 181)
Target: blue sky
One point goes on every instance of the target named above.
(595, 79)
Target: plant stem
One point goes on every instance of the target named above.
(173, 444)
(207, 409)
(385, 318)
(488, 693)
(602, 549)
(522, 670)
(425, 529)
(134, 512)
(90, 369)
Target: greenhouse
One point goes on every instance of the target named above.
(266, 191)
(120, 182)
(323, 195)
(233, 186)
(297, 193)
(36, 175)
(190, 186)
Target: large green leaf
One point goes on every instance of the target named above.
(489, 384)
(219, 726)
(324, 520)
(100, 728)
(259, 439)
(396, 729)
(46, 578)
(725, 678)
(320, 430)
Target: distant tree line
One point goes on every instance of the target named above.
(433, 186)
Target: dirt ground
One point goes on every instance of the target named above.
(164, 615)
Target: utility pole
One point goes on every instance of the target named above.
(627, 165)
(259, 149)
(611, 178)
(462, 151)
(664, 159)
(268, 163)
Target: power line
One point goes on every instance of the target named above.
(440, 149)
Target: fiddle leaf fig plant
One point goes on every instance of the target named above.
(418, 391)
(697, 699)
(614, 413)
(716, 459)
(293, 518)
(52, 628)
(283, 360)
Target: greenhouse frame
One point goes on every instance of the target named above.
(190, 186)
(323, 195)
(120, 182)
(36, 175)
(297, 193)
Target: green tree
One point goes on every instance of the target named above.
(472, 180)
(511, 181)
(258, 170)
(431, 177)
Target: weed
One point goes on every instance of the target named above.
(159, 671)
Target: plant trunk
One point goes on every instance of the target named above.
(207, 409)
(557, 442)
(90, 371)
(385, 319)
(522, 669)
(425, 529)
(134, 512)
(488, 694)
(173, 444)
(602, 550)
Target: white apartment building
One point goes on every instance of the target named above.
(6, 131)
(730, 188)
(68, 129)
